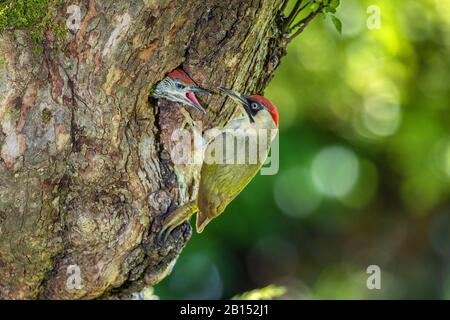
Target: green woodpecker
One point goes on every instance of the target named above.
(222, 180)
(179, 87)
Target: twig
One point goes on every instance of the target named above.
(293, 14)
(285, 3)
(300, 10)
(304, 22)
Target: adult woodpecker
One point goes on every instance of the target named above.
(221, 182)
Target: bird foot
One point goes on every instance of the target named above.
(187, 119)
(175, 219)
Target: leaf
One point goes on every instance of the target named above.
(337, 23)
(268, 293)
(334, 4)
(314, 7)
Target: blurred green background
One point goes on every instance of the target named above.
(364, 173)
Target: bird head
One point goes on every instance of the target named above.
(179, 87)
(256, 107)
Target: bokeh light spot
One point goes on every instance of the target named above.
(353, 17)
(295, 194)
(447, 160)
(381, 116)
(335, 171)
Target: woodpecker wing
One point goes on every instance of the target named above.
(223, 186)
(221, 182)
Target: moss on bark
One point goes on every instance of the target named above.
(32, 15)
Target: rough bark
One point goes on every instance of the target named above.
(85, 177)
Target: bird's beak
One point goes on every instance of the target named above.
(199, 90)
(190, 95)
(241, 99)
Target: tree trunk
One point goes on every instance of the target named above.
(85, 178)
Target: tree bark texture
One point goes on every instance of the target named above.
(85, 173)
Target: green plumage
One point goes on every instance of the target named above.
(220, 182)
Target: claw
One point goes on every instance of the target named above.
(187, 118)
(174, 219)
(161, 235)
(165, 232)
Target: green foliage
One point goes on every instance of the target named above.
(337, 23)
(268, 293)
(330, 9)
(314, 6)
(303, 12)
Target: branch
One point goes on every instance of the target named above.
(300, 10)
(304, 22)
(293, 14)
(283, 7)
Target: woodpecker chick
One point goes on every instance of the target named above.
(176, 90)
(179, 87)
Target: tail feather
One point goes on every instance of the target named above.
(202, 221)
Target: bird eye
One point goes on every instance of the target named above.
(179, 86)
(254, 106)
